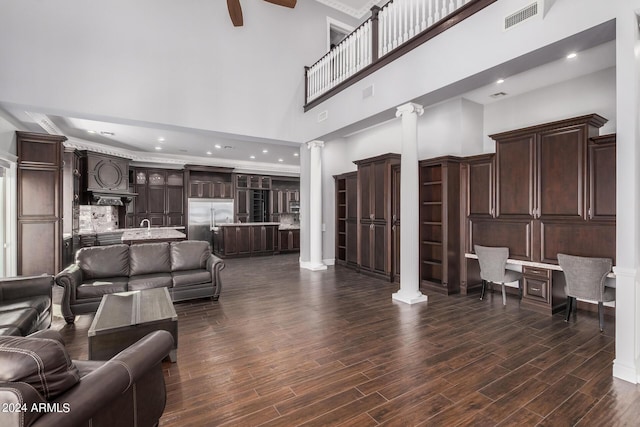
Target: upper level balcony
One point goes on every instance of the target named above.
(390, 32)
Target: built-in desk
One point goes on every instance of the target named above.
(542, 284)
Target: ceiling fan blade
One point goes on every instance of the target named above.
(285, 3)
(235, 12)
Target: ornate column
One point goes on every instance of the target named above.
(315, 208)
(409, 291)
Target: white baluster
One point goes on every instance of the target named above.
(396, 19)
(430, 20)
(459, 4)
(411, 27)
(444, 8)
(405, 27)
(452, 7)
(436, 15)
(423, 23)
(389, 27)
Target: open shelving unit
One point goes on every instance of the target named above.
(341, 219)
(440, 224)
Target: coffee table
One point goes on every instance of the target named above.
(125, 317)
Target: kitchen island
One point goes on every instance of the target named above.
(144, 235)
(244, 239)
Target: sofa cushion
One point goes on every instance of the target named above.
(146, 258)
(191, 277)
(40, 304)
(25, 319)
(97, 262)
(42, 363)
(189, 255)
(97, 288)
(148, 281)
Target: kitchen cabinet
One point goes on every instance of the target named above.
(209, 182)
(480, 184)
(440, 224)
(374, 215)
(39, 199)
(248, 239)
(160, 197)
(284, 197)
(289, 240)
(105, 172)
(602, 182)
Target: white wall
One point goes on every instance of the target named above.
(593, 93)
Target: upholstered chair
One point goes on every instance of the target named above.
(585, 279)
(493, 262)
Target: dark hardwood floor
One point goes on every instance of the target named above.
(288, 347)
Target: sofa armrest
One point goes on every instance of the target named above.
(146, 352)
(17, 400)
(106, 384)
(49, 334)
(69, 279)
(12, 288)
(215, 265)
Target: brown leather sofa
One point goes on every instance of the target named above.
(187, 268)
(25, 304)
(41, 386)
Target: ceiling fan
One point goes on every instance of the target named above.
(235, 11)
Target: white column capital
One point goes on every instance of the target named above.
(314, 144)
(409, 107)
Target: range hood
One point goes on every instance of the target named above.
(109, 198)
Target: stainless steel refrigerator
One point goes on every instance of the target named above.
(204, 214)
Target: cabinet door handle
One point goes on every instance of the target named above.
(492, 212)
(590, 213)
(535, 289)
(371, 227)
(371, 216)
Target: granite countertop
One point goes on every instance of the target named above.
(289, 227)
(122, 230)
(245, 224)
(138, 234)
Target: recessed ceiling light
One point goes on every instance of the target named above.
(91, 131)
(295, 154)
(280, 160)
(209, 153)
(265, 151)
(572, 55)
(500, 81)
(218, 146)
(252, 157)
(161, 139)
(158, 148)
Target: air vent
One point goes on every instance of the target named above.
(498, 95)
(367, 92)
(520, 16)
(323, 116)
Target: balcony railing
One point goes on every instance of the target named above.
(390, 32)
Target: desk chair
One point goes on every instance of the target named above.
(585, 279)
(493, 262)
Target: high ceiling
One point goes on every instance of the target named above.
(157, 142)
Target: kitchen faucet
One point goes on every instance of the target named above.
(148, 224)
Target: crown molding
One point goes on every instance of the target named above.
(356, 13)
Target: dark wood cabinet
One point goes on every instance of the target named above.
(602, 182)
(289, 240)
(245, 240)
(346, 251)
(440, 224)
(395, 221)
(39, 197)
(106, 173)
(285, 192)
(480, 186)
(242, 205)
(375, 251)
(160, 197)
(208, 182)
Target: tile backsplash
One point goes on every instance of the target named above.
(98, 218)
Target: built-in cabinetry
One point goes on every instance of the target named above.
(440, 224)
(206, 182)
(346, 188)
(245, 240)
(375, 217)
(39, 197)
(252, 198)
(284, 198)
(289, 240)
(103, 174)
(552, 191)
(160, 197)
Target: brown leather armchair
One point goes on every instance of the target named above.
(25, 304)
(41, 386)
